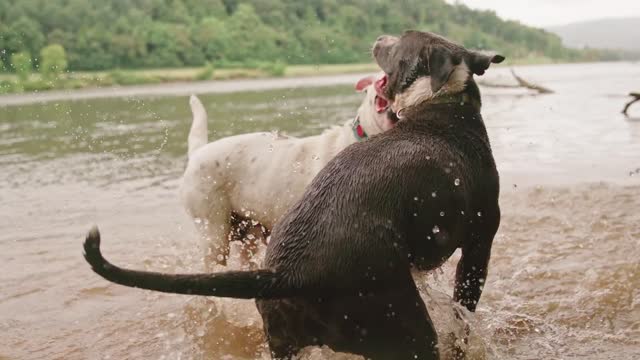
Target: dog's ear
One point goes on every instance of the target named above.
(440, 63)
(364, 82)
(479, 62)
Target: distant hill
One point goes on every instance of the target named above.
(613, 33)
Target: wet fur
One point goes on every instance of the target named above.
(235, 182)
(338, 268)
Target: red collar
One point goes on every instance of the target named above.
(358, 131)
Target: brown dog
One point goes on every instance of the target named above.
(338, 268)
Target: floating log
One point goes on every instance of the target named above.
(636, 97)
(522, 83)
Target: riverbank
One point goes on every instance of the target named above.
(183, 88)
(75, 80)
(10, 84)
(296, 77)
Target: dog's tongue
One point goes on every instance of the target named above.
(381, 102)
(380, 84)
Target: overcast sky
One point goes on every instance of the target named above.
(543, 13)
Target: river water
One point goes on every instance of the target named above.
(564, 279)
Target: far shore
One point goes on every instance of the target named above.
(177, 81)
(183, 88)
(295, 77)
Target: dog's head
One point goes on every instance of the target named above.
(372, 113)
(421, 66)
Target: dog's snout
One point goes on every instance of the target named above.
(381, 50)
(385, 40)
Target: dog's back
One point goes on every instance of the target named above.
(432, 177)
(410, 198)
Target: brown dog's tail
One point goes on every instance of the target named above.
(234, 284)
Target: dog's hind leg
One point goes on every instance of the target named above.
(211, 214)
(385, 324)
(246, 234)
(214, 231)
(400, 329)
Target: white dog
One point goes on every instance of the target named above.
(254, 178)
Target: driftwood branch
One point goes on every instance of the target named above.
(522, 83)
(636, 97)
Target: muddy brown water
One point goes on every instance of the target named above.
(564, 280)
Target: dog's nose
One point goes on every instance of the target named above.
(385, 40)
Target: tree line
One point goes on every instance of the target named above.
(110, 34)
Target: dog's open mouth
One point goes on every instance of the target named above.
(382, 104)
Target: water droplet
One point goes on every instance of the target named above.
(456, 182)
(435, 229)
(433, 194)
(479, 213)
(441, 213)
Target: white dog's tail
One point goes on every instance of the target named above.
(198, 133)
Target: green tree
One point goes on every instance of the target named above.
(27, 35)
(170, 44)
(90, 50)
(211, 38)
(23, 34)
(21, 63)
(200, 9)
(53, 61)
